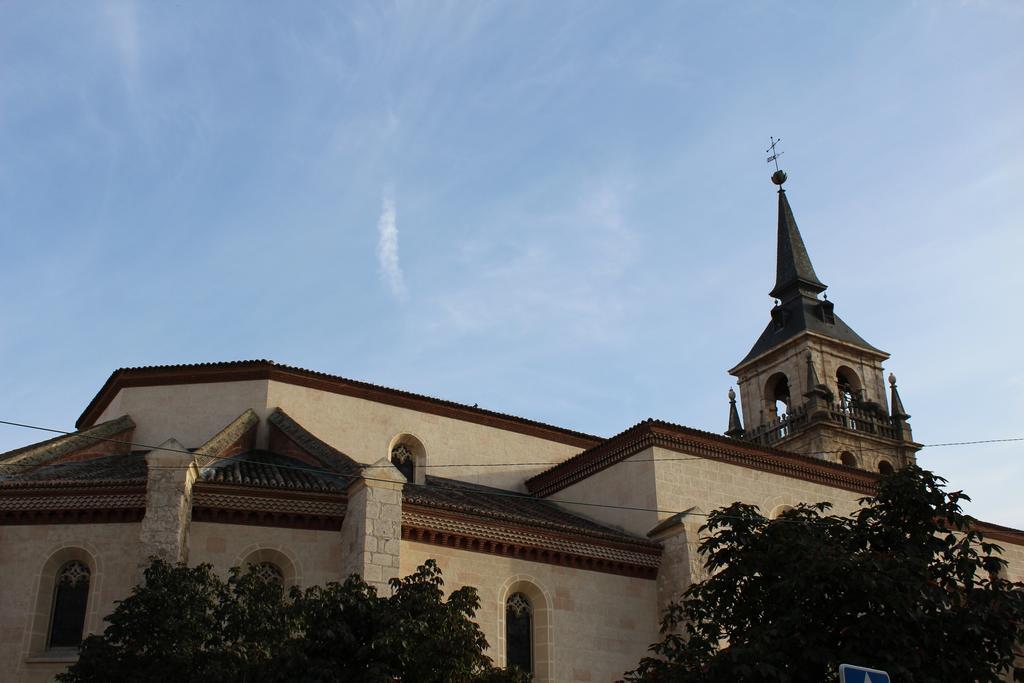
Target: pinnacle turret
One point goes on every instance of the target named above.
(735, 429)
(895, 402)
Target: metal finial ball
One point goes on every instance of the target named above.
(779, 177)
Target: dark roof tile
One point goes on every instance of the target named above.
(119, 467)
(506, 506)
(270, 470)
(65, 444)
(324, 453)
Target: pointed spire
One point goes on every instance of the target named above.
(735, 429)
(793, 270)
(818, 394)
(812, 374)
(898, 411)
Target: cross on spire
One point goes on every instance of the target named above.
(774, 157)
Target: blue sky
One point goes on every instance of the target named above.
(556, 210)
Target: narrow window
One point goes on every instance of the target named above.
(402, 457)
(777, 395)
(71, 594)
(848, 386)
(519, 633)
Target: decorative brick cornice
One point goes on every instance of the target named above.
(239, 371)
(701, 444)
(996, 532)
(98, 502)
(790, 346)
(31, 485)
(640, 559)
(262, 507)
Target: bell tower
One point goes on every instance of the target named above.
(812, 385)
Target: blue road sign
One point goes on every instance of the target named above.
(848, 673)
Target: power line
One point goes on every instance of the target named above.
(490, 491)
(498, 464)
(335, 475)
(348, 477)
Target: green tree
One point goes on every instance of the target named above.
(186, 623)
(905, 584)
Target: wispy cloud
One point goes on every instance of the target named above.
(123, 24)
(387, 248)
(572, 272)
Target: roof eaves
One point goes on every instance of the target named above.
(760, 351)
(220, 445)
(321, 451)
(567, 522)
(266, 369)
(700, 444)
(53, 449)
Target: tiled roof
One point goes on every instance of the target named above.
(107, 468)
(74, 501)
(797, 287)
(327, 455)
(506, 506)
(58, 447)
(265, 369)
(241, 427)
(699, 444)
(270, 470)
(248, 502)
(801, 315)
(644, 557)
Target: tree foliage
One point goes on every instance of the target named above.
(905, 584)
(186, 623)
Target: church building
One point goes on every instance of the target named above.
(575, 542)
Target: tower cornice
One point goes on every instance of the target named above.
(795, 342)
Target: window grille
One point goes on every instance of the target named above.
(70, 598)
(403, 458)
(519, 632)
(270, 572)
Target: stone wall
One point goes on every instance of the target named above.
(361, 428)
(30, 555)
(791, 360)
(588, 626)
(307, 557)
(171, 472)
(666, 482)
(372, 531)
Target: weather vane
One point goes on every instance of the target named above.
(774, 155)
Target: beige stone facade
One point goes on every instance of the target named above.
(318, 477)
(246, 490)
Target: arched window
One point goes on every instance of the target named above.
(848, 459)
(271, 564)
(268, 571)
(777, 394)
(519, 632)
(70, 597)
(409, 456)
(404, 459)
(848, 385)
(885, 467)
